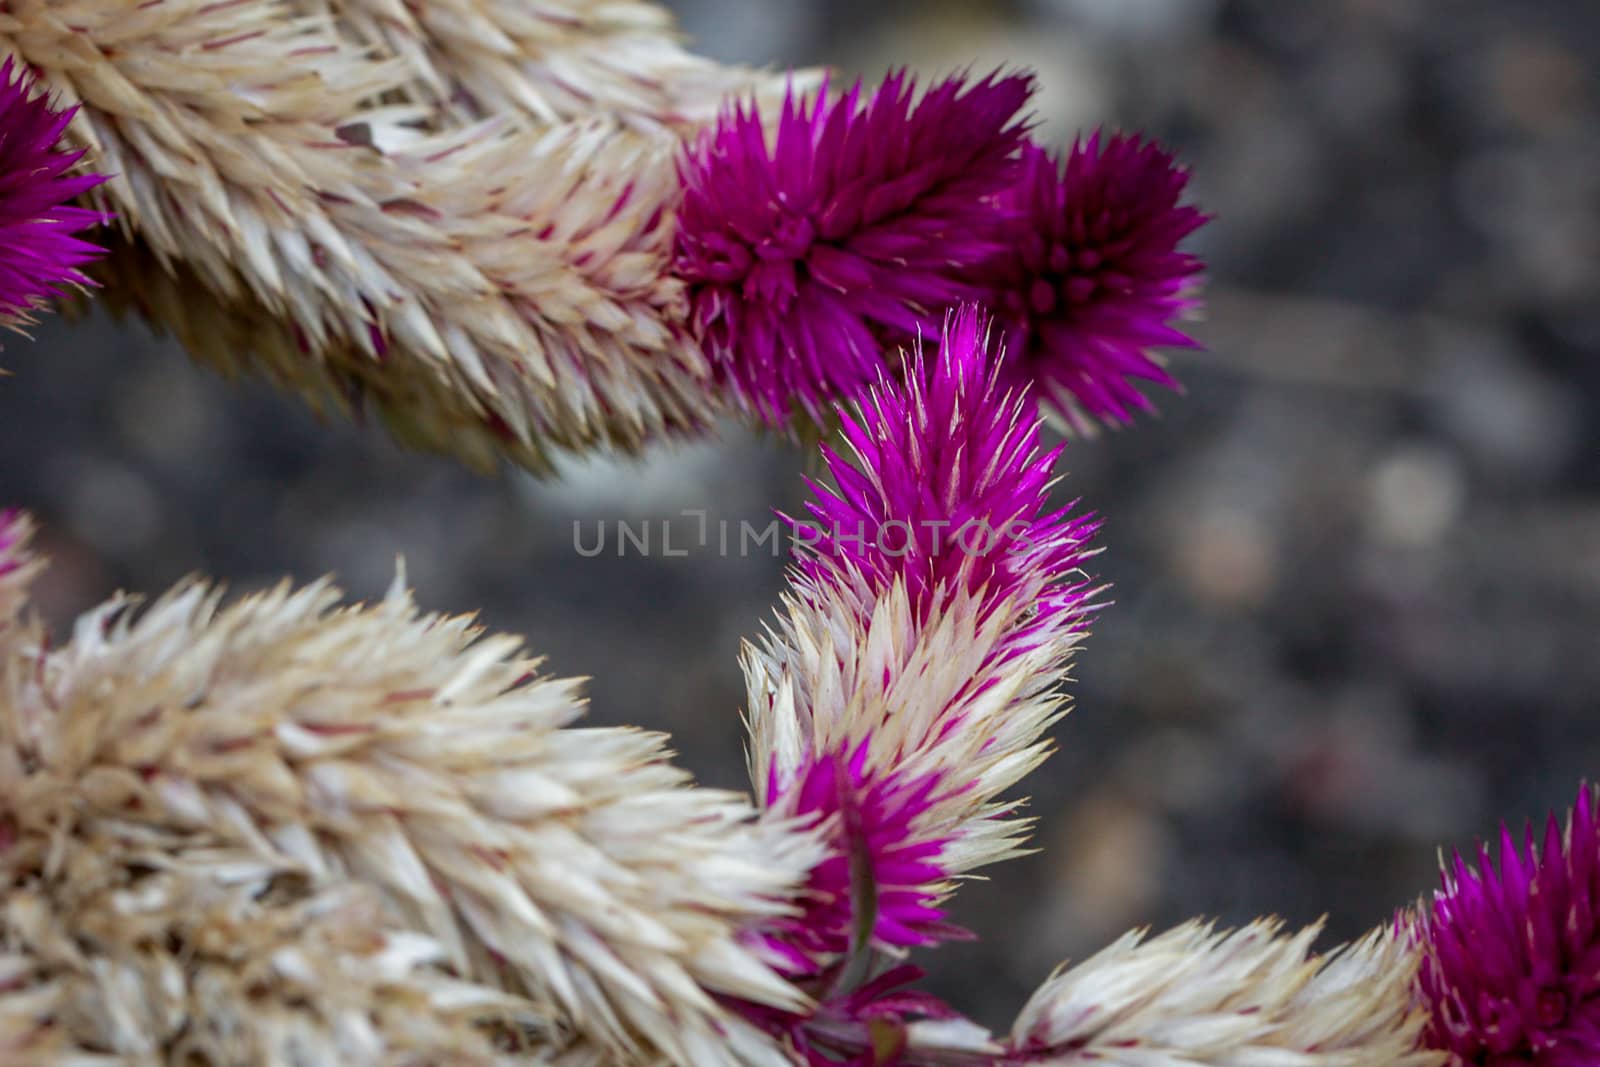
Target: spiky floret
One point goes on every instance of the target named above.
(1092, 277)
(903, 691)
(1511, 953)
(290, 745)
(808, 256)
(947, 485)
(1193, 997)
(40, 252)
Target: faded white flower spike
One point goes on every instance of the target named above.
(492, 290)
(552, 61)
(256, 758)
(1194, 997)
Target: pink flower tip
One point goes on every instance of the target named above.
(1091, 277)
(948, 486)
(1510, 969)
(40, 254)
(807, 253)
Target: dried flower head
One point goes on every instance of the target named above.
(40, 252)
(1193, 997)
(1091, 276)
(550, 62)
(494, 288)
(902, 692)
(852, 229)
(1511, 953)
(259, 759)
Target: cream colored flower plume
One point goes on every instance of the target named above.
(551, 61)
(379, 822)
(1194, 997)
(296, 206)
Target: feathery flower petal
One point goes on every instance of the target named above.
(1091, 276)
(1511, 953)
(40, 252)
(573, 869)
(853, 228)
(1193, 997)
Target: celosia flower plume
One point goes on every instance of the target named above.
(908, 685)
(40, 252)
(1511, 953)
(853, 229)
(1194, 997)
(360, 832)
(1091, 277)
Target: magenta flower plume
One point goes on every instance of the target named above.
(949, 485)
(1511, 956)
(940, 524)
(858, 226)
(935, 604)
(1092, 277)
(39, 252)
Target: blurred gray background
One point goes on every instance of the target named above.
(1356, 567)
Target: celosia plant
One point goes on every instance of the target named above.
(284, 830)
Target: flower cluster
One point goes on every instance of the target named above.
(602, 263)
(1511, 954)
(862, 222)
(810, 260)
(40, 252)
(1091, 276)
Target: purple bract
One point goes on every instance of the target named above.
(39, 252)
